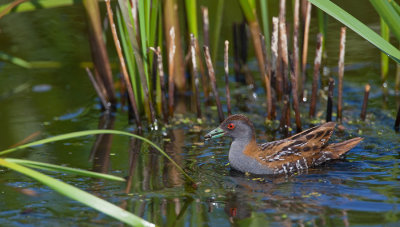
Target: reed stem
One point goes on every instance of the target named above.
(162, 83)
(397, 123)
(365, 102)
(330, 100)
(274, 58)
(341, 71)
(305, 47)
(211, 74)
(106, 105)
(317, 64)
(226, 67)
(122, 64)
(193, 48)
(296, 63)
(267, 79)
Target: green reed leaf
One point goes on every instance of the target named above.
(79, 195)
(357, 26)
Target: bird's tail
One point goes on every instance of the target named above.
(339, 149)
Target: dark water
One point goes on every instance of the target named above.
(363, 189)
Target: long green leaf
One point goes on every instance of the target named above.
(15, 60)
(95, 132)
(389, 15)
(248, 10)
(360, 28)
(79, 195)
(384, 58)
(39, 4)
(191, 14)
(51, 167)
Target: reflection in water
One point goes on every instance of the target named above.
(100, 153)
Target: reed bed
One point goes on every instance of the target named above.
(282, 68)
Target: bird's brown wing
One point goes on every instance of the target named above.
(296, 152)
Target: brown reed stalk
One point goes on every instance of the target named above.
(295, 100)
(330, 100)
(213, 82)
(226, 67)
(341, 71)
(397, 123)
(317, 64)
(305, 46)
(171, 70)
(275, 55)
(11, 6)
(172, 28)
(195, 78)
(206, 26)
(283, 45)
(98, 50)
(122, 63)
(296, 63)
(206, 41)
(365, 102)
(267, 79)
(162, 83)
(106, 105)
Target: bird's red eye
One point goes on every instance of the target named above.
(231, 126)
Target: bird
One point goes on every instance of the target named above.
(299, 152)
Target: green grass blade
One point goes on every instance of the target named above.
(395, 6)
(265, 21)
(384, 58)
(248, 9)
(217, 29)
(79, 195)
(95, 132)
(191, 14)
(389, 15)
(40, 4)
(360, 28)
(51, 167)
(16, 61)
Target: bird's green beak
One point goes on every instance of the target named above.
(218, 132)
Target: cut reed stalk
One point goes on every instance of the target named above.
(226, 67)
(330, 100)
(397, 123)
(99, 51)
(206, 26)
(296, 63)
(267, 79)
(365, 102)
(105, 104)
(211, 74)
(174, 48)
(122, 63)
(171, 70)
(317, 64)
(341, 71)
(295, 100)
(305, 47)
(274, 58)
(162, 83)
(206, 41)
(195, 78)
(283, 45)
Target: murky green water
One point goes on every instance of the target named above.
(362, 190)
